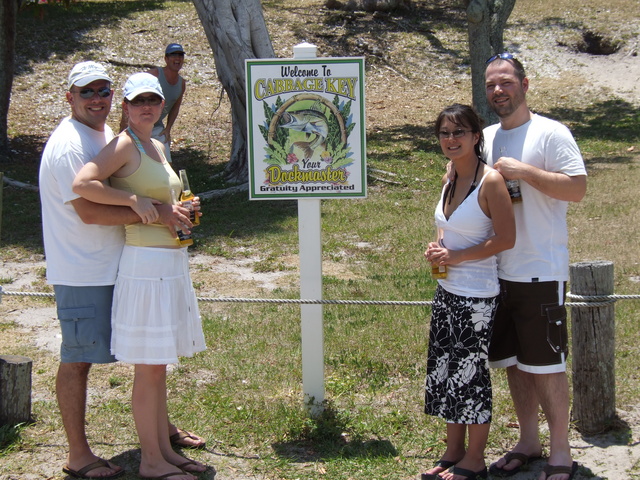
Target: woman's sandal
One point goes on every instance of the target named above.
(444, 464)
(470, 474)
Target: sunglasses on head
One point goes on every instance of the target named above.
(87, 93)
(153, 100)
(502, 56)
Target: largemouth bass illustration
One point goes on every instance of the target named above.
(311, 121)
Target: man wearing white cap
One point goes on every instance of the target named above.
(173, 88)
(83, 242)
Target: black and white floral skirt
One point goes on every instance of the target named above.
(458, 386)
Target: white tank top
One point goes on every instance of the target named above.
(468, 226)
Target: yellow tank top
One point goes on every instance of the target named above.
(154, 180)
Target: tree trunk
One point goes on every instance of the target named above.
(486, 22)
(499, 15)
(236, 31)
(8, 17)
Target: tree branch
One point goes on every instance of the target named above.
(16, 183)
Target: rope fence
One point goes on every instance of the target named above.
(585, 301)
(592, 329)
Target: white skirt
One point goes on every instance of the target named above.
(155, 315)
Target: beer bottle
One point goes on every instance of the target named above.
(186, 197)
(439, 271)
(512, 185)
(185, 239)
(514, 191)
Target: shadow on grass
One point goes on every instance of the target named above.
(608, 160)
(55, 30)
(21, 219)
(203, 174)
(607, 121)
(618, 433)
(24, 162)
(331, 436)
(10, 437)
(612, 120)
(235, 216)
(340, 33)
(130, 461)
(407, 137)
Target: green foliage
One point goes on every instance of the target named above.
(338, 149)
(10, 438)
(270, 264)
(116, 381)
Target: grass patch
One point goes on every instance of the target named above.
(10, 438)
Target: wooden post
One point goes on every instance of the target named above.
(593, 334)
(15, 389)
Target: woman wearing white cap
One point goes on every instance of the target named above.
(155, 315)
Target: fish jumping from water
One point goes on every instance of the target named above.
(311, 121)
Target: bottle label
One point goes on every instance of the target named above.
(439, 271)
(514, 191)
(188, 204)
(185, 239)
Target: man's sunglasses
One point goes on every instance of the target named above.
(153, 100)
(175, 54)
(502, 56)
(86, 93)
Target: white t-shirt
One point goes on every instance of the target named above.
(77, 254)
(540, 252)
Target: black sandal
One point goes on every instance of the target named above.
(445, 464)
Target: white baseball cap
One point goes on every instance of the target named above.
(141, 83)
(83, 73)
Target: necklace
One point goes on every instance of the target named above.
(452, 186)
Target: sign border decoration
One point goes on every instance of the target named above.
(306, 128)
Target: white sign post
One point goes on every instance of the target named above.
(307, 141)
(312, 324)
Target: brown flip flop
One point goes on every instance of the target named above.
(82, 473)
(177, 440)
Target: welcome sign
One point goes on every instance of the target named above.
(306, 126)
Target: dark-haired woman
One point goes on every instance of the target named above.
(475, 219)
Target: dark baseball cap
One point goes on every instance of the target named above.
(173, 48)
